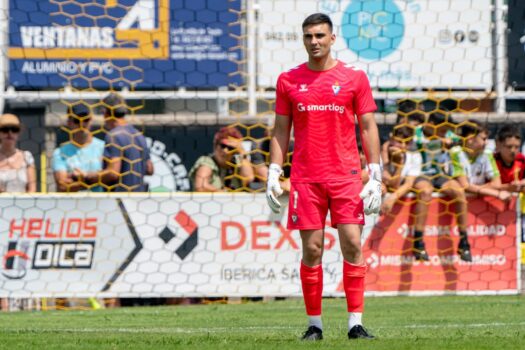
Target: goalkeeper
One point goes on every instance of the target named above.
(321, 99)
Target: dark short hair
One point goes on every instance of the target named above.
(318, 18)
(80, 110)
(114, 105)
(473, 128)
(508, 131)
(439, 117)
(402, 132)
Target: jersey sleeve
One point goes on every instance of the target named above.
(458, 162)
(283, 104)
(492, 169)
(364, 101)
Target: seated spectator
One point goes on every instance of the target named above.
(432, 140)
(480, 174)
(81, 154)
(510, 162)
(402, 169)
(17, 167)
(227, 168)
(411, 119)
(126, 155)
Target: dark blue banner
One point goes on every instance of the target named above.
(111, 44)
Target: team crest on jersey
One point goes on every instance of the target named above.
(303, 87)
(336, 88)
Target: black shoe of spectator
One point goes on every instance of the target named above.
(464, 250)
(312, 333)
(419, 251)
(359, 332)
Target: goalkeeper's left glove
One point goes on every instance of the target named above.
(371, 193)
(273, 187)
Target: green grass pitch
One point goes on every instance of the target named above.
(448, 322)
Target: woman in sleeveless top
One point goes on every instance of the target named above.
(17, 167)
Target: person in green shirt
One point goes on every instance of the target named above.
(433, 140)
(227, 168)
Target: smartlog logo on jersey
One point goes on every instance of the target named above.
(42, 243)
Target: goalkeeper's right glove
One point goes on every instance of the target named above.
(273, 187)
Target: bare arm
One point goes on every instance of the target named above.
(280, 139)
(398, 193)
(202, 180)
(149, 167)
(369, 137)
(483, 190)
(31, 178)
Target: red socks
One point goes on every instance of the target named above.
(312, 282)
(354, 283)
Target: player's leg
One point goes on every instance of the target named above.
(423, 189)
(311, 274)
(453, 189)
(308, 207)
(347, 216)
(354, 272)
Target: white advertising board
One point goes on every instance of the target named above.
(399, 43)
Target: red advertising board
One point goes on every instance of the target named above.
(492, 236)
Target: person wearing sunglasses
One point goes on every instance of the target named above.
(227, 168)
(81, 155)
(17, 167)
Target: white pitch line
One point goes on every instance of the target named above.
(181, 330)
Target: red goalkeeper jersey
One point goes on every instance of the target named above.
(323, 106)
(516, 171)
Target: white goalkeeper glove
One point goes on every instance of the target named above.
(371, 193)
(273, 187)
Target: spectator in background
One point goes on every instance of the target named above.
(17, 171)
(228, 167)
(432, 140)
(17, 167)
(510, 162)
(126, 154)
(480, 174)
(411, 119)
(81, 154)
(402, 169)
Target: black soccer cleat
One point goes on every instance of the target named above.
(464, 250)
(359, 332)
(312, 334)
(419, 251)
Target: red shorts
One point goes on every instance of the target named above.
(309, 204)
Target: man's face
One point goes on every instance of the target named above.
(509, 148)
(318, 39)
(79, 124)
(477, 143)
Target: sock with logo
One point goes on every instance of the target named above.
(354, 285)
(312, 283)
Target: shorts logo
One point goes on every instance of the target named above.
(336, 88)
(294, 218)
(360, 216)
(303, 87)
